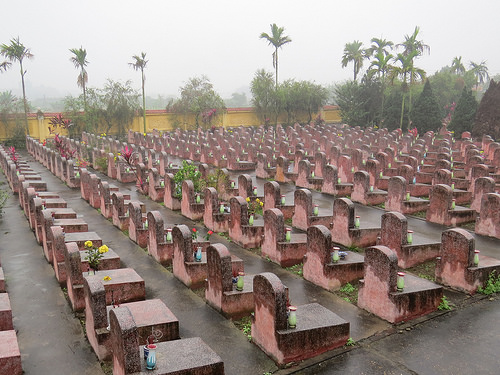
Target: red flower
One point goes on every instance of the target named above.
(194, 230)
(210, 232)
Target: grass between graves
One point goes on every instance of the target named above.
(245, 326)
(296, 269)
(425, 270)
(349, 292)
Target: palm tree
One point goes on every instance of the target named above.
(80, 61)
(413, 47)
(379, 45)
(404, 71)
(16, 51)
(480, 72)
(380, 66)
(277, 39)
(457, 66)
(353, 52)
(140, 63)
(412, 44)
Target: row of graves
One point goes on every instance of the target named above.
(10, 355)
(136, 334)
(356, 163)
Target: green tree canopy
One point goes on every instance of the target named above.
(426, 114)
(464, 114)
(355, 54)
(79, 60)
(140, 63)
(199, 98)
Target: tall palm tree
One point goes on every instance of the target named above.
(79, 59)
(457, 66)
(480, 72)
(277, 39)
(16, 51)
(412, 44)
(140, 63)
(379, 45)
(354, 53)
(405, 70)
(416, 48)
(380, 65)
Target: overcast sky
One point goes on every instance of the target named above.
(220, 39)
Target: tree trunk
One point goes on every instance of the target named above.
(24, 101)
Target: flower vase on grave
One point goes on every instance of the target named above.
(250, 220)
(283, 200)
(312, 174)
(316, 210)
(232, 184)
(452, 186)
(198, 198)
(401, 281)
(162, 183)
(389, 165)
(414, 180)
(409, 237)
(91, 272)
(339, 180)
(371, 188)
(335, 255)
(357, 222)
(288, 235)
(77, 174)
(268, 165)
(255, 190)
(151, 361)
(292, 316)
(476, 258)
(198, 254)
(241, 282)
(221, 208)
(381, 174)
(453, 204)
(169, 235)
(407, 195)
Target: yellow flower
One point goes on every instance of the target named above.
(261, 204)
(257, 200)
(248, 199)
(103, 249)
(88, 244)
(106, 278)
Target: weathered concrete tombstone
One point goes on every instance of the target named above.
(321, 268)
(215, 215)
(121, 216)
(333, 185)
(179, 357)
(483, 185)
(347, 229)
(274, 199)
(379, 292)
(399, 197)
(307, 177)
(170, 199)
(221, 292)
(240, 230)
(285, 249)
(395, 235)
(488, 222)
(192, 206)
(76, 265)
(138, 224)
(156, 185)
(443, 210)
(460, 267)
(305, 214)
(365, 193)
(124, 285)
(94, 198)
(160, 247)
(317, 329)
(5, 313)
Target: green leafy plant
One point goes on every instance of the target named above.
(350, 342)
(348, 288)
(349, 293)
(296, 269)
(445, 304)
(245, 325)
(101, 163)
(492, 285)
(187, 172)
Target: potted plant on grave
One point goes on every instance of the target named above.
(94, 255)
(254, 208)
